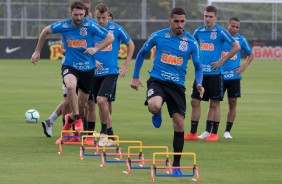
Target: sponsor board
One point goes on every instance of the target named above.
(16, 48)
(24, 48)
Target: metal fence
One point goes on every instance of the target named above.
(26, 18)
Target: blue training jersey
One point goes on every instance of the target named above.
(211, 43)
(76, 40)
(233, 63)
(172, 54)
(109, 55)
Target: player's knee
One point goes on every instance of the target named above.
(214, 104)
(154, 108)
(91, 105)
(82, 104)
(232, 103)
(71, 87)
(102, 101)
(195, 103)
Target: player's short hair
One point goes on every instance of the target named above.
(102, 8)
(111, 15)
(86, 1)
(79, 5)
(211, 9)
(234, 19)
(177, 11)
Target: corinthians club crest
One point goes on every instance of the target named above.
(183, 46)
(83, 31)
(213, 35)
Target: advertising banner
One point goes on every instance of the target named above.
(16, 48)
(23, 49)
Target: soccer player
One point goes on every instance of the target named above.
(63, 107)
(105, 80)
(232, 72)
(78, 68)
(211, 38)
(174, 46)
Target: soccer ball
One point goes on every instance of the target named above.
(31, 116)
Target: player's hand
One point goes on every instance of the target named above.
(216, 65)
(135, 83)
(122, 70)
(90, 51)
(99, 65)
(240, 69)
(201, 90)
(35, 57)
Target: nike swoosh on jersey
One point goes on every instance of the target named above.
(8, 50)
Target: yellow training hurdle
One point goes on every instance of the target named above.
(169, 169)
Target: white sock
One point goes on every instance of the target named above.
(53, 117)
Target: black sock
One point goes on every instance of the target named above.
(110, 132)
(77, 117)
(70, 120)
(64, 121)
(103, 129)
(85, 124)
(178, 144)
(90, 126)
(194, 127)
(209, 125)
(215, 127)
(228, 126)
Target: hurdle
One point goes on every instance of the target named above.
(129, 161)
(118, 156)
(84, 147)
(65, 138)
(194, 168)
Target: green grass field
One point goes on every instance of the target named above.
(27, 156)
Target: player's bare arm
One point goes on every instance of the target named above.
(130, 49)
(135, 83)
(36, 55)
(242, 68)
(108, 39)
(235, 48)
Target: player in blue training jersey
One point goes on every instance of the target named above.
(174, 46)
(232, 72)
(63, 107)
(78, 68)
(211, 38)
(105, 80)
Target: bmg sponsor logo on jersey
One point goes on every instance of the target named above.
(223, 54)
(107, 48)
(207, 46)
(170, 59)
(76, 43)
